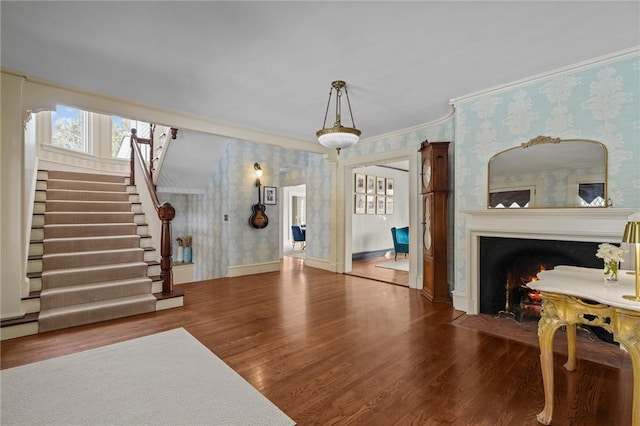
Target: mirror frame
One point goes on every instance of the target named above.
(542, 140)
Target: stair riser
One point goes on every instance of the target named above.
(34, 266)
(37, 220)
(39, 208)
(96, 314)
(55, 279)
(30, 306)
(41, 196)
(89, 206)
(80, 176)
(70, 217)
(36, 249)
(89, 295)
(77, 231)
(37, 265)
(62, 246)
(153, 270)
(86, 186)
(77, 260)
(59, 194)
(35, 284)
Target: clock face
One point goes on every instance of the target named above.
(426, 172)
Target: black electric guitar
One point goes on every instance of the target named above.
(258, 218)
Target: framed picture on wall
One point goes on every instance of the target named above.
(389, 186)
(359, 184)
(371, 204)
(380, 188)
(389, 206)
(270, 194)
(380, 204)
(360, 203)
(371, 184)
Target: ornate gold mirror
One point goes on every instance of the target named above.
(549, 172)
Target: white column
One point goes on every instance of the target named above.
(11, 210)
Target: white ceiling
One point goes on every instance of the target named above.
(268, 65)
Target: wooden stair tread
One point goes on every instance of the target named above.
(177, 292)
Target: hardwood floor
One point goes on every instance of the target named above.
(366, 268)
(333, 349)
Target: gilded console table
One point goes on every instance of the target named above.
(571, 296)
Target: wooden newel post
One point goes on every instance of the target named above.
(132, 172)
(166, 213)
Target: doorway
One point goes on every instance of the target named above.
(386, 206)
(294, 213)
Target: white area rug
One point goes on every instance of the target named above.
(399, 265)
(168, 378)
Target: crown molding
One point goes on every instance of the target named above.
(580, 66)
(40, 94)
(424, 126)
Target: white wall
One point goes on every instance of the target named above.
(373, 232)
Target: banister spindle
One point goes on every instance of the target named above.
(132, 172)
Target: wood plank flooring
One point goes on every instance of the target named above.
(333, 349)
(366, 268)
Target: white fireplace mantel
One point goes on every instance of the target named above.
(571, 224)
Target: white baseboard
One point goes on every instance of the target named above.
(320, 264)
(255, 268)
(19, 330)
(173, 302)
(461, 302)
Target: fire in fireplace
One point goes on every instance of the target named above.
(522, 302)
(507, 264)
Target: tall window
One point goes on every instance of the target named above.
(69, 128)
(120, 132)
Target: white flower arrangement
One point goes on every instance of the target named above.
(612, 256)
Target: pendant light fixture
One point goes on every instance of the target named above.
(338, 136)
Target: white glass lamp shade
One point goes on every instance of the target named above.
(338, 137)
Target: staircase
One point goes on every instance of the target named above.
(89, 258)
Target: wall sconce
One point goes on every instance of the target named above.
(632, 236)
(258, 170)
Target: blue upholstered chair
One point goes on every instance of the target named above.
(299, 236)
(400, 240)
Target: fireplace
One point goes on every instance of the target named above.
(561, 227)
(507, 264)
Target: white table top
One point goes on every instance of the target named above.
(588, 283)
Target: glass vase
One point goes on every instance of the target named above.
(611, 272)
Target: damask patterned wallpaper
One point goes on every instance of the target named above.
(218, 244)
(597, 102)
(440, 131)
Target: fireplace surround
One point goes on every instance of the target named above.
(592, 225)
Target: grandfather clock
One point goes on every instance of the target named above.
(435, 191)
